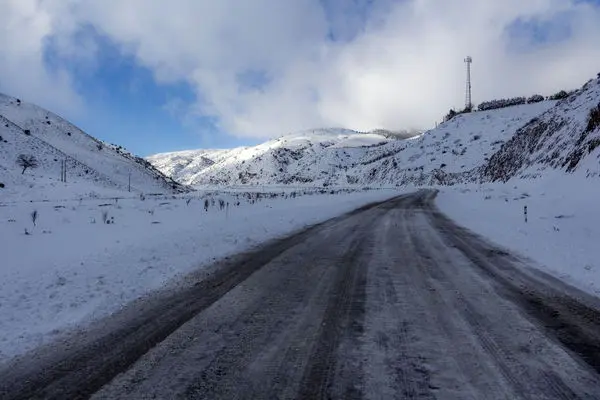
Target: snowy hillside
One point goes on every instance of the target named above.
(454, 151)
(91, 164)
(522, 140)
(566, 137)
(302, 158)
(451, 153)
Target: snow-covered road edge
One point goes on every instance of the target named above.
(70, 271)
(561, 235)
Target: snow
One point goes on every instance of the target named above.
(72, 268)
(31, 130)
(561, 150)
(342, 157)
(457, 147)
(563, 138)
(308, 157)
(563, 228)
(367, 139)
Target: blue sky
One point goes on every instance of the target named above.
(167, 76)
(127, 106)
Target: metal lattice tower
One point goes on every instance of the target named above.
(468, 102)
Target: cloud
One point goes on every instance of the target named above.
(260, 68)
(24, 71)
(408, 70)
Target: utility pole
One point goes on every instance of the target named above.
(468, 102)
(63, 170)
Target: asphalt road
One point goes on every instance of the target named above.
(391, 301)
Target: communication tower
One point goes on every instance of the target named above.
(468, 102)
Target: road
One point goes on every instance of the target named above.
(393, 300)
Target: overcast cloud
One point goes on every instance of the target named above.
(266, 67)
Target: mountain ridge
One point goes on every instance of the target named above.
(520, 141)
(91, 164)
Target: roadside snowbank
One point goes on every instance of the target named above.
(562, 234)
(72, 267)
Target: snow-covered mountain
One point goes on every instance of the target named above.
(522, 140)
(301, 158)
(565, 138)
(451, 153)
(337, 157)
(91, 164)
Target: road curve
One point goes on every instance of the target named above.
(393, 300)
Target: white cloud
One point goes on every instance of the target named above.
(398, 66)
(26, 26)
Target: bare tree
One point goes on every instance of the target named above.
(26, 161)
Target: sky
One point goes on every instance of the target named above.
(157, 76)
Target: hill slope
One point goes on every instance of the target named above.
(565, 138)
(303, 158)
(518, 141)
(452, 151)
(91, 164)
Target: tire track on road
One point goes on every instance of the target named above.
(344, 315)
(77, 369)
(572, 322)
(393, 300)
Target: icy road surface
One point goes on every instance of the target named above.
(391, 301)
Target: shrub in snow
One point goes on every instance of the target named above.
(26, 161)
(560, 95)
(593, 119)
(501, 103)
(593, 144)
(536, 98)
(1, 185)
(451, 114)
(27, 132)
